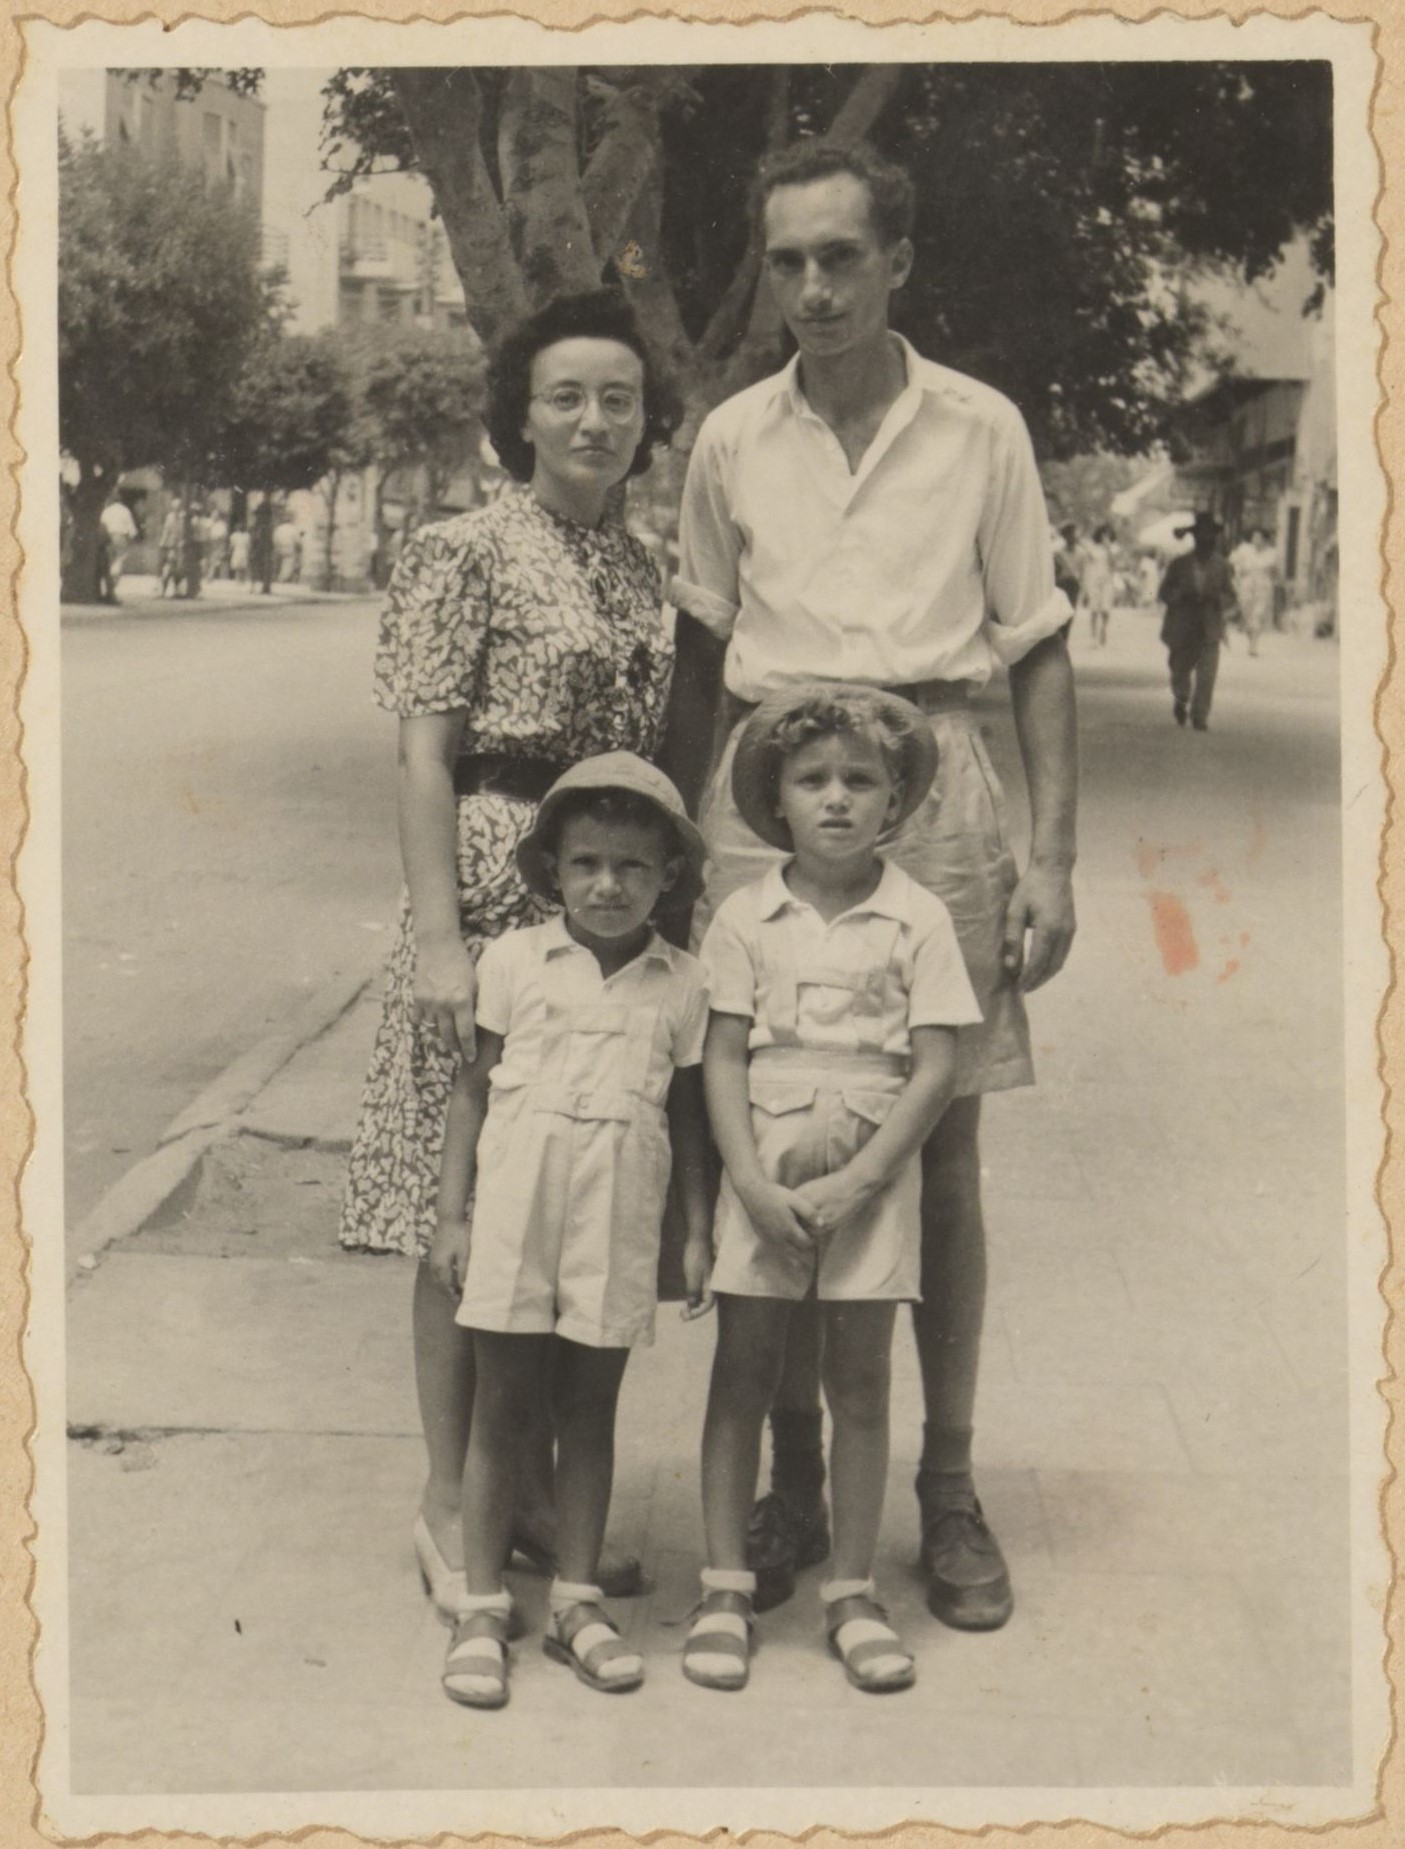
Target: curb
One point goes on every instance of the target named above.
(149, 1184)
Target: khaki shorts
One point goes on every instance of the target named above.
(810, 1116)
(955, 845)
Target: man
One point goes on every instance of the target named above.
(121, 530)
(1197, 593)
(867, 515)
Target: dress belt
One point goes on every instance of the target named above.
(929, 696)
(496, 773)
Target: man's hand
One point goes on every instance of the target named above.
(445, 992)
(697, 1276)
(1042, 905)
(782, 1216)
(448, 1255)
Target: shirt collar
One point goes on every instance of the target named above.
(790, 391)
(556, 940)
(889, 899)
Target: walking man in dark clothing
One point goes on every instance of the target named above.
(1197, 594)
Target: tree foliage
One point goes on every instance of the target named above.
(293, 417)
(160, 300)
(423, 393)
(1061, 207)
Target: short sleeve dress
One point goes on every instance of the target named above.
(550, 636)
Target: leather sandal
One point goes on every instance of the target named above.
(475, 1668)
(584, 1637)
(873, 1655)
(717, 1650)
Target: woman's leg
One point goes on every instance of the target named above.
(857, 1366)
(587, 1388)
(509, 1370)
(444, 1379)
(746, 1367)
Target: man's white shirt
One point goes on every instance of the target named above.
(929, 562)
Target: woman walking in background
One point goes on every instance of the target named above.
(516, 639)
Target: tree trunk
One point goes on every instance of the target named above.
(82, 568)
(331, 487)
(443, 112)
(541, 182)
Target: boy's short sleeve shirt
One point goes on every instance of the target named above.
(763, 936)
(525, 976)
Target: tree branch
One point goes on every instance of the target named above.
(864, 104)
(628, 145)
(443, 111)
(541, 181)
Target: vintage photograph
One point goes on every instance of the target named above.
(712, 1134)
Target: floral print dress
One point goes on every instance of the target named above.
(550, 636)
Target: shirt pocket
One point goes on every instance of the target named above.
(781, 1097)
(874, 1107)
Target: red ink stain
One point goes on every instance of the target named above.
(1174, 937)
(1149, 859)
(1218, 889)
(1228, 970)
(1243, 940)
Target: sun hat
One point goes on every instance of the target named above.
(614, 770)
(1204, 522)
(756, 765)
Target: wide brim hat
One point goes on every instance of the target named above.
(1204, 522)
(756, 765)
(614, 770)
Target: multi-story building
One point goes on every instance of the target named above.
(1263, 430)
(220, 130)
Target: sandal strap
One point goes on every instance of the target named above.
(473, 1627)
(857, 1605)
(572, 1620)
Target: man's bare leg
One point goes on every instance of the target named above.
(968, 1584)
(790, 1527)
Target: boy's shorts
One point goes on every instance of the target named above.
(810, 1116)
(955, 845)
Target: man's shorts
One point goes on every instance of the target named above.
(955, 845)
(811, 1115)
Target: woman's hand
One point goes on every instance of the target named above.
(448, 1255)
(446, 989)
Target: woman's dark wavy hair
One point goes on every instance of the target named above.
(596, 314)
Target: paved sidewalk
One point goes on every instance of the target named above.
(140, 595)
(1161, 1432)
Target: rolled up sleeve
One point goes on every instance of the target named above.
(1023, 605)
(709, 543)
(728, 967)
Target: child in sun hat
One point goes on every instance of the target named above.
(562, 1130)
(836, 987)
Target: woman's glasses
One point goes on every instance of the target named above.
(618, 402)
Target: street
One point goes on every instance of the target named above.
(228, 806)
(1162, 1423)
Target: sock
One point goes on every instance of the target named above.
(797, 1453)
(946, 1459)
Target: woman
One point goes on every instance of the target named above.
(516, 640)
(1099, 582)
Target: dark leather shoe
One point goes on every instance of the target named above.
(783, 1537)
(1180, 711)
(968, 1583)
(619, 1576)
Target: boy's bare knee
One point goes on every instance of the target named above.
(857, 1388)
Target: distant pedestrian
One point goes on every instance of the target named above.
(1254, 563)
(285, 540)
(217, 546)
(585, 1089)
(239, 555)
(169, 547)
(1099, 582)
(1198, 595)
(121, 529)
